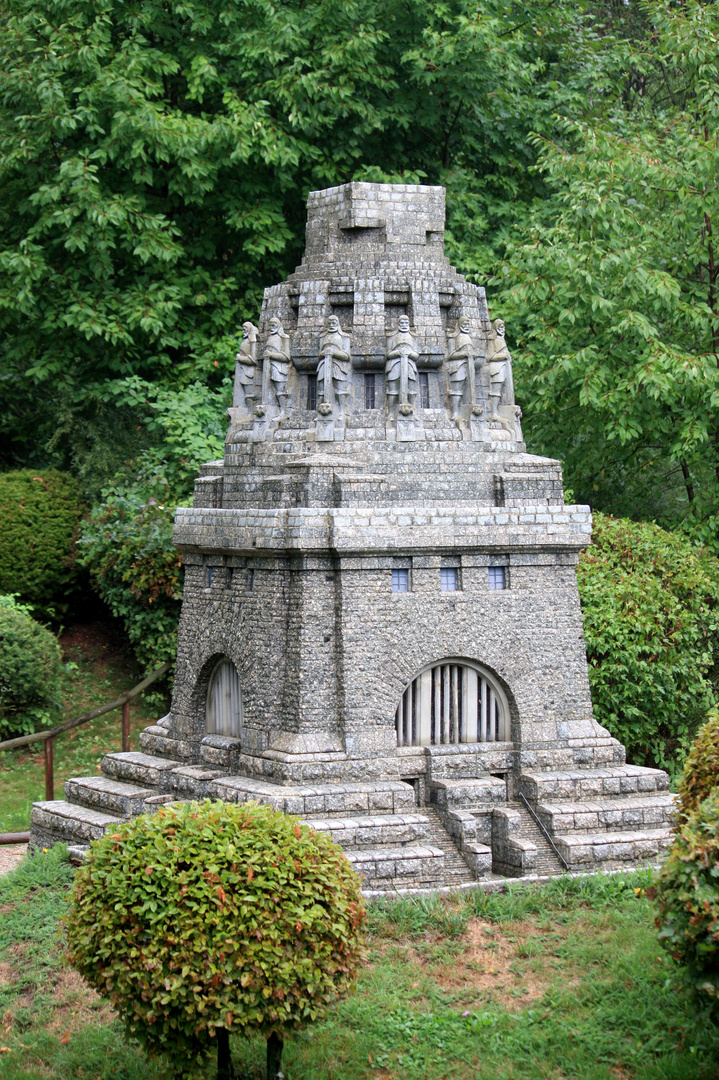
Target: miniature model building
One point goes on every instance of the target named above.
(381, 629)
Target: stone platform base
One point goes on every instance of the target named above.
(400, 836)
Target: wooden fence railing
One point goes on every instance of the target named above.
(48, 737)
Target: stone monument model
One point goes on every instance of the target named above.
(380, 629)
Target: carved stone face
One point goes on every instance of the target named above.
(333, 324)
(464, 325)
(275, 326)
(403, 324)
(499, 328)
(246, 329)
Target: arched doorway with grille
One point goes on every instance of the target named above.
(223, 708)
(452, 701)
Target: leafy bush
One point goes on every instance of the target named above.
(649, 604)
(126, 542)
(30, 665)
(701, 768)
(39, 523)
(127, 547)
(214, 916)
(687, 891)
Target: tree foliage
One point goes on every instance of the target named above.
(40, 516)
(650, 605)
(700, 775)
(155, 160)
(613, 283)
(30, 667)
(687, 892)
(213, 915)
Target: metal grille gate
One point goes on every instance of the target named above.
(223, 714)
(450, 703)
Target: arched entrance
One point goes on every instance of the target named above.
(223, 710)
(453, 701)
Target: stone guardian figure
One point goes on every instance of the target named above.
(334, 367)
(245, 365)
(276, 367)
(459, 364)
(498, 367)
(401, 367)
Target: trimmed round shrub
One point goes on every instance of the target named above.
(687, 892)
(650, 605)
(210, 916)
(701, 768)
(39, 525)
(30, 667)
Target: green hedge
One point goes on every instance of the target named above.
(30, 666)
(215, 916)
(39, 524)
(701, 769)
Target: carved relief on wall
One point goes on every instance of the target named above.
(334, 370)
(276, 368)
(401, 368)
(462, 356)
(245, 366)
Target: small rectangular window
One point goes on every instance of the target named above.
(209, 577)
(497, 579)
(250, 580)
(423, 390)
(228, 578)
(449, 579)
(400, 580)
(312, 392)
(369, 392)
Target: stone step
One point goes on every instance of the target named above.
(604, 850)
(193, 781)
(109, 796)
(547, 861)
(456, 870)
(608, 815)
(416, 864)
(154, 740)
(373, 831)
(220, 751)
(586, 785)
(64, 822)
(486, 791)
(147, 770)
(319, 800)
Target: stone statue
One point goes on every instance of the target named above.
(459, 364)
(334, 367)
(277, 365)
(498, 361)
(245, 364)
(401, 367)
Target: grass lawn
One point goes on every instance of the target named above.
(97, 671)
(562, 982)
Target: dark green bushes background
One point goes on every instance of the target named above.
(39, 525)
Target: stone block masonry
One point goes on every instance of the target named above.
(380, 629)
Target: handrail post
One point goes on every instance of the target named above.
(126, 726)
(49, 778)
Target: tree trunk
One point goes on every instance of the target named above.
(224, 1061)
(274, 1058)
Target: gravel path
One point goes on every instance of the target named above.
(10, 856)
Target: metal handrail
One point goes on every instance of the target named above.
(561, 858)
(48, 736)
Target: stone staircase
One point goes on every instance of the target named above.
(606, 818)
(599, 818)
(391, 844)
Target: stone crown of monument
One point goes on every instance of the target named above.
(380, 626)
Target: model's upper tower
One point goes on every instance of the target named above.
(375, 336)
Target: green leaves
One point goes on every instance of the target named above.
(651, 624)
(198, 943)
